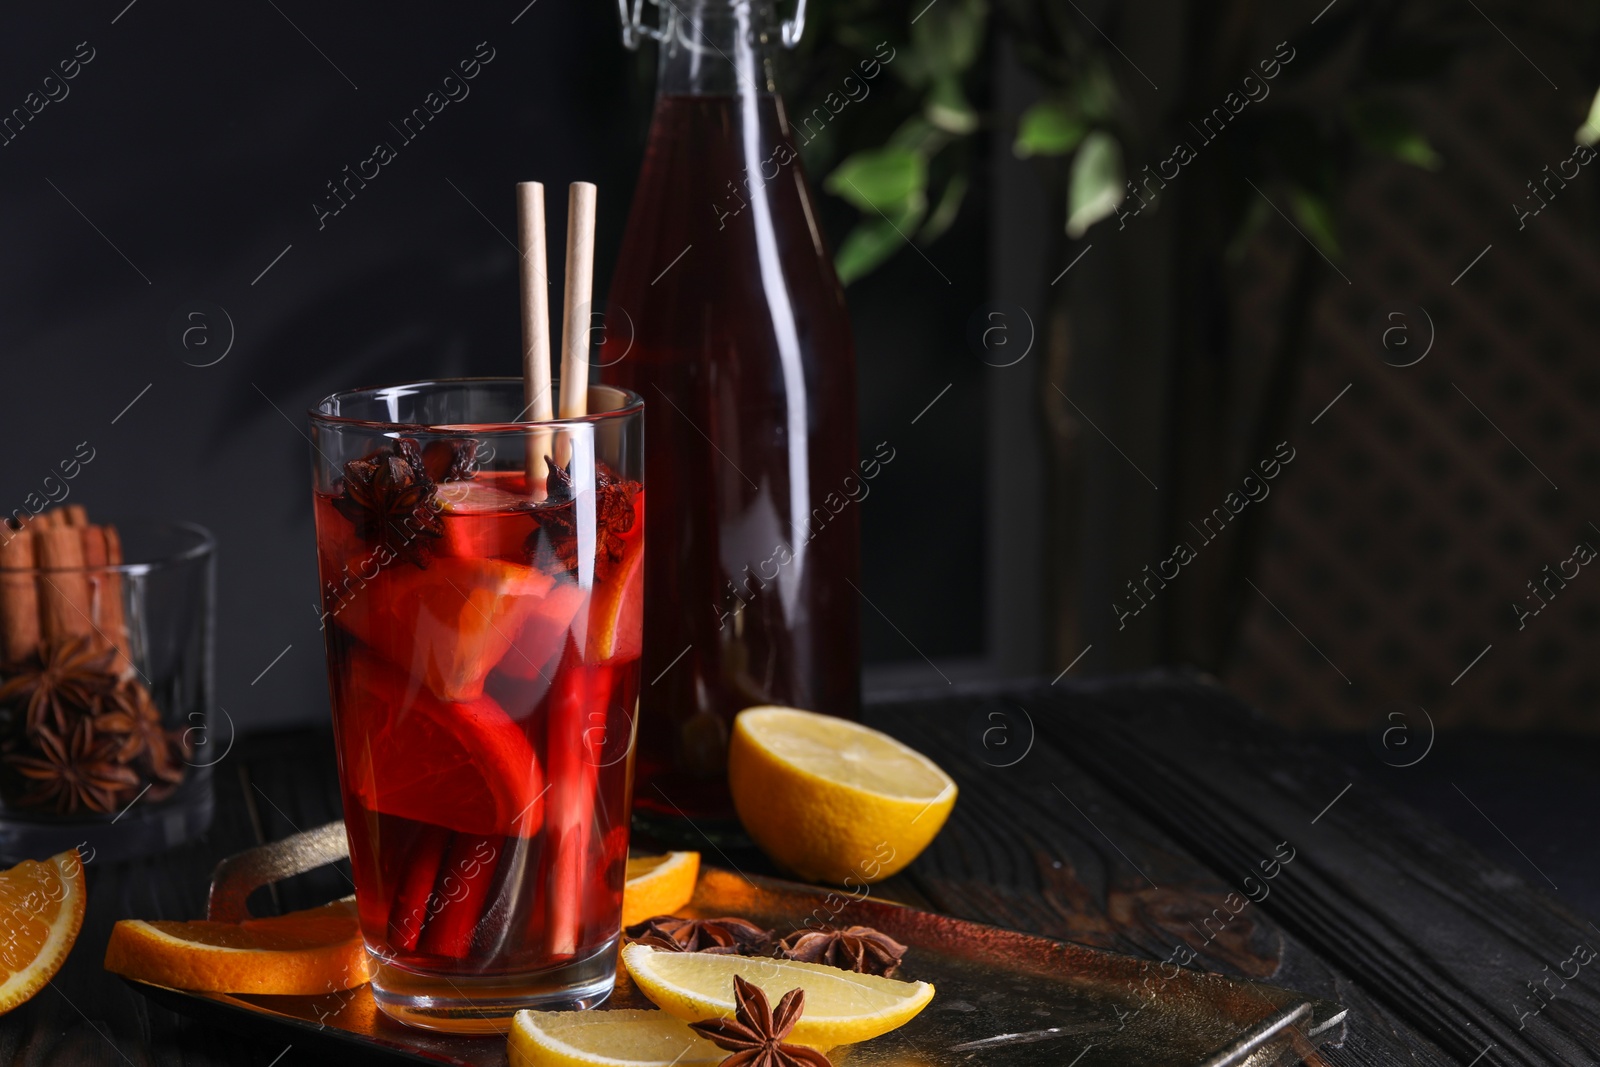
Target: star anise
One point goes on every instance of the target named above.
(78, 771)
(755, 1034)
(555, 542)
(390, 500)
(856, 948)
(727, 936)
(450, 461)
(60, 683)
(131, 723)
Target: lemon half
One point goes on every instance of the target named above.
(833, 800)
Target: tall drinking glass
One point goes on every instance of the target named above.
(482, 596)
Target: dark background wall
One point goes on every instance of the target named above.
(178, 173)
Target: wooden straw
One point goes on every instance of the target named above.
(569, 813)
(535, 322)
(579, 298)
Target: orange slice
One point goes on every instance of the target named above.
(463, 765)
(44, 905)
(449, 624)
(658, 885)
(616, 608)
(304, 953)
(486, 516)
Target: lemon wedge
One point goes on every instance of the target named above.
(621, 1038)
(841, 1008)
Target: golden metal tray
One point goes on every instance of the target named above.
(1003, 997)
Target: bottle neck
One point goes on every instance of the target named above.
(717, 47)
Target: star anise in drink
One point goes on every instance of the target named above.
(59, 683)
(755, 1033)
(727, 936)
(75, 771)
(855, 948)
(448, 460)
(390, 500)
(555, 543)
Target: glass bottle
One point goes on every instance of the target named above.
(726, 315)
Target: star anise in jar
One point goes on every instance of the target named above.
(60, 683)
(76, 771)
(755, 1033)
(555, 543)
(390, 501)
(131, 723)
(727, 936)
(855, 948)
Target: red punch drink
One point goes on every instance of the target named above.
(483, 632)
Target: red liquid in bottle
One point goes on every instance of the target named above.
(726, 316)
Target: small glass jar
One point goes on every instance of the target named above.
(106, 686)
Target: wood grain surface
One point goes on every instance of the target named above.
(1134, 815)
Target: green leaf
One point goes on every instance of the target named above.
(947, 36)
(880, 179)
(917, 134)
(1589, 132)
(1385, 128)
(947, 108)
(1095, 91)
(1048, 128)
(874, 240)
(945, 212)
(1315, 216)
(1095, 187)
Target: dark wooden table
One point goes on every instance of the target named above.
(1119, 814)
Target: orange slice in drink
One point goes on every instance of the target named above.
(486, 516)
(616, 611)
(465, 766)
(450, 623)
(44, 905)
(616, 607)
(542, 637)
(304, 953)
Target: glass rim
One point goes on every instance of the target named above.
(633, 404)
(205, 545)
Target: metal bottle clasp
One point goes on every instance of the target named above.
(634, 29)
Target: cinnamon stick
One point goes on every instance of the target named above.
(93, 539)
(75, 515)
(64, 600)
(19, 601)
(573, 769)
